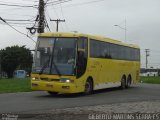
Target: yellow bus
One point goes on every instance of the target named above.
(75, 62)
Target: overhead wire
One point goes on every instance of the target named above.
(22, 26)
(57, 2)
(63, 16)
(47, 25)
(19, 23)
(31, 1)
(16, 29)
(56, 13)
(18, 15)
(18, 20)
(49, 18)
(48, 3)
(83, 3)
(73, 5)
(16, 5)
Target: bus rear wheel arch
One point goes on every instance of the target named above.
(88, 86)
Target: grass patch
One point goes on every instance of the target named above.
(15, 85)
(153, 80)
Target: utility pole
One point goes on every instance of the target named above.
(57, 23)
(147, 54)
(41, 16)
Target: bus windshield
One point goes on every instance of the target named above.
(55, 56)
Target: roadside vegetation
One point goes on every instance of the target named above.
(15, 58)
(23, 84)
(15, 85)
(151, 79)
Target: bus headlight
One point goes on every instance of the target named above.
(69, 81)
(66, 80)
(35, 78)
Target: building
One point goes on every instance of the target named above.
(149, 72)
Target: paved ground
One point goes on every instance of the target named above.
(39, 102)
(146, 110)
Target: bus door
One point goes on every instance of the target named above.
(82, 55)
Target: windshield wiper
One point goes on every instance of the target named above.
(52, 60)
(44, 66)
(57, 70)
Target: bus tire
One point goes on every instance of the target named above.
(88, 87)
(129, 81)
(52, 93)
(123, 82)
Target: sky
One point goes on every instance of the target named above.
(92, 17)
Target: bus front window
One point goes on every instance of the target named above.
(55, 56)
(64, 56)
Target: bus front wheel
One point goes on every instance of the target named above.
(88, 87)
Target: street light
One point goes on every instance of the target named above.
(124, 28)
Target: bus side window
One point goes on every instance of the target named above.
(82, 56)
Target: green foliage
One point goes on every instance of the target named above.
(153, 80)
(15, 85)
(15, 57)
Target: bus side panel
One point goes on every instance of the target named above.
(110, 72)
(93, 70)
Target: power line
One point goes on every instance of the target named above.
(56, 13)
(58, 2)
(49, 18)
(17, 14)
(63, 16)
(41, 15)
(16, 5)
(19, 23)
(84, 3)
(31, 1)
(16, 20)
(47, 25)
(16, 29)
(46, 2)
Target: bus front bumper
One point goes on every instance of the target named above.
(55, 87)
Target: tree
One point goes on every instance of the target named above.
(15, 57)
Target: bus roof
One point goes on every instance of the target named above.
(95, 37)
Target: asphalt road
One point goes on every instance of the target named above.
(33, 102)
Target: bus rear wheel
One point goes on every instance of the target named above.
(88, 87)
(129, 81)
(123, 83)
